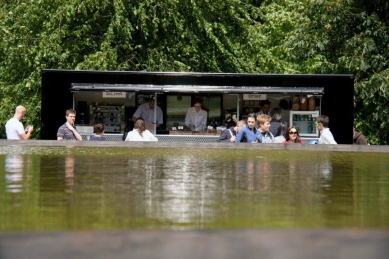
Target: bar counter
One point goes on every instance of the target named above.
(193, 133)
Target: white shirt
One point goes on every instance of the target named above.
(135, 136)
(198, 119)
(147, 114)
(14, 128)
(326, 137)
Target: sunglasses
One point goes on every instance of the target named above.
(317, 123)
(293, 132)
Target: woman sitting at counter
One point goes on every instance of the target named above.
(99, 132)
(249, 134)
(196, 117)
(293, 136)
(140, 133)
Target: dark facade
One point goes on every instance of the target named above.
(337, 100)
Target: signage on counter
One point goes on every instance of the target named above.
(254, 96)
(114, 94)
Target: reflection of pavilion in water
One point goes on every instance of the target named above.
(185, 192)
(290, 178)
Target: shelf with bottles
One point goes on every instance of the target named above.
(250, 104)
(109, 115)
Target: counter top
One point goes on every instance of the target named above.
(179, 132)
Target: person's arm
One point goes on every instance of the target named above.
(150, 135)
(27, 133)
(239, 135)
(159, 117)
(74, 131)
(204, 120)
(137, 113)
(60, 133)
(188, 121)
(224, 136)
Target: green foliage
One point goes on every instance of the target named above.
(270, 36)
(338, 37)
(170, 35)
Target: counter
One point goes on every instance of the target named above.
(193, 133)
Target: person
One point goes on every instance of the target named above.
(196, 117)
(249, 133)
(146, 112)
(15, 129)
(265, 107)
(230, 124)
(275, 120)
(293, 136)
(229, 134)
(281, 132)
(99, 132)
(326, 136)
(128, 128)
(263, 121)
(358, 138)
(68, 131)
(140, 133)
(284, 105)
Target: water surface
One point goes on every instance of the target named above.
(90, 188)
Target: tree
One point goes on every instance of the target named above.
(150, 35)
(338, 37)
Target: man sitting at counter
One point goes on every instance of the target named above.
(196, 117)
(146, 112)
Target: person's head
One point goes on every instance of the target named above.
(70, 116)
(276, 114)
(99, 129)
(321, 122)
(284, 104)
(263, 121)
(151, 103)
(265, 106)
(20, 112)
(282, 129)
(251, 120)
(240, 125)
(197, 103)
(140, 125)
(230, 124)
(293, 134)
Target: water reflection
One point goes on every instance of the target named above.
(69, 173)
(191, 189)
(14, 166)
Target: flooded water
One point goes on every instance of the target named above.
(90, 188)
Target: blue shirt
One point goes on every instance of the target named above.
(97, 138)
(251, 136)
(147, 114)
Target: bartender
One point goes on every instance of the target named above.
(196, 118)
(146, 112)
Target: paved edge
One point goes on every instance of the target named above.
(253, 243)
